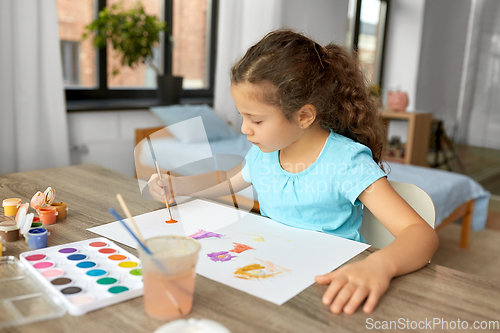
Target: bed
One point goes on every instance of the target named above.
(456, 197)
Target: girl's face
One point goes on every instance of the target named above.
(264, 125)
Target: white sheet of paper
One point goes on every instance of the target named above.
(297, 255)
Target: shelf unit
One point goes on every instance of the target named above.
(417, 142)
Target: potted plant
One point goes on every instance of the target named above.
(134, 34)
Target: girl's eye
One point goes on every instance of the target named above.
(256, 122)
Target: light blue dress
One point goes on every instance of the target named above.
(323, 197)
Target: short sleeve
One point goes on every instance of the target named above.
(250, 158)
(361, 171)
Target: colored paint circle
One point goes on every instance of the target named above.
(77, 257)
(98, 244)
(117, 289)
(43, 264)
(107, 251)
(107, 280)
(68, 250)
(52, 273)
(86, 264)
(96, 272)
(81, 299)
(136, 272)
(36, 257)
(117, 257)
(60, 281)
(71, 290)
(128, 264)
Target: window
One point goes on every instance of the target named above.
(70, 62)
(366, 35)
(78, 57)
(189, 52)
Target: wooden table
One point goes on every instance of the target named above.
(432, 292)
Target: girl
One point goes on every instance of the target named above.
(316, 158)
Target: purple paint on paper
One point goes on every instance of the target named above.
(205, 234)
(220, 256)
(67, 250)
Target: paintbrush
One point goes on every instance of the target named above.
(159, 175)
(149, 253)
(129, 216)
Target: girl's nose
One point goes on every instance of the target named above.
(245, 129)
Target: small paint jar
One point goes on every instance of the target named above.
(10, 206)
(61, 208)
(37, 238)
(47, 215)
(9, 231)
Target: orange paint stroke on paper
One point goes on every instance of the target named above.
(257, 271)
(253, 271)
(238, 248)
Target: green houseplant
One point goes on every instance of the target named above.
(134, 34)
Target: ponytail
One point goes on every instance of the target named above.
(353, 113)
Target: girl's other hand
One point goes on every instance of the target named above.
(159, 187)
(351, 284)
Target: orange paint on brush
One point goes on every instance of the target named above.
(171, 221)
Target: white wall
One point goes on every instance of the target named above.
(107, 138)
(323, 20)
(402, 53)
(441, 59)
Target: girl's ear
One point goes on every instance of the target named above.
(306, 116)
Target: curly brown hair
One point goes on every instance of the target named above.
(298, 71)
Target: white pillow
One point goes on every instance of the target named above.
(215, 128)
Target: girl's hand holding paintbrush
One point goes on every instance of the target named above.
(164, 187)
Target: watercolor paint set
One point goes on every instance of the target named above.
(86, 275)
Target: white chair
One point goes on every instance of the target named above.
(377, 235)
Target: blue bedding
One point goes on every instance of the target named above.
(447, 189)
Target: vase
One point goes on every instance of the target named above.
(169, 89)
(397, 101)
